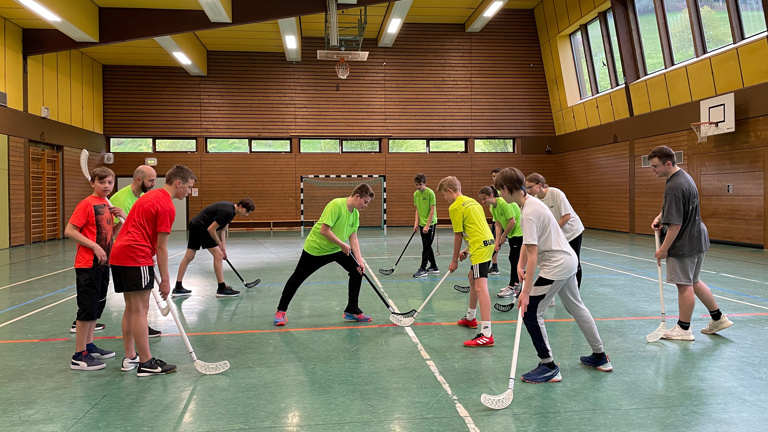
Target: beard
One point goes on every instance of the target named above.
(144, 188)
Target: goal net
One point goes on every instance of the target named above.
(318, 190)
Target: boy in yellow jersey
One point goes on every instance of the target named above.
(468, 220)
(425, 222)
(326, 243)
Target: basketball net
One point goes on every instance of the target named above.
(342, 69)
(702, 129)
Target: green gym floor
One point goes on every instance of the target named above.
(320, 373)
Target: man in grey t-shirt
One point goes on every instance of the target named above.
(685, 243)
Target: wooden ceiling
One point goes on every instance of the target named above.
(263, 36)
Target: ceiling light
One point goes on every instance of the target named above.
(394, 18)
(480, 18)
(182, 58)
(290, 42)
(40, 10)
(394, 25)
(491, 11)
(216, 11)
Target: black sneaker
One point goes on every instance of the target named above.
(153, 367)
(99, 353)
(179, 292)
(73, 329)
(494, 270)
(227, 292)
(153, 332)
(85, 361)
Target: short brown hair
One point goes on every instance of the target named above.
(179, 172)
(664, 154)
(247, 204)
(450, 182)
(537, 179)
(510, 178)
(420, 178)
(100, 173)
(489, 191)
(363, 190)
(495, 170)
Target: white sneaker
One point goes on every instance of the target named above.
(715, 326)
(677, 333)
(553, 302)
(129, 364)
(506, 292)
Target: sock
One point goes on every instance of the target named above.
(79, 353)
(485, 328)
(178, 285)
(471, 314)
(550, 365)
(716, 314)
(90, 346)
(222, 286)
(599, 355)
(684, 325)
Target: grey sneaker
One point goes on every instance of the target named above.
(494, 270)
(85, 361)
(420, 273)
(129, 364)
(507, 292)
(433, 270)
(677, 333)
(99, 353)
(715, 326)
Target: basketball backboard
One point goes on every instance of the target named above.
(721, 111)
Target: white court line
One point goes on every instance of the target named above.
(37, 310)
(656, 280)
(35, 278)
(459, 407)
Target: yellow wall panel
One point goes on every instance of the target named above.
(64, 88)
(727, 72)
(541, 23)
(2, 56)
(580, 116)
(586, 6)
(568, 121)
(574, 10)
(34, 84)
(639, 93)
(558, 118)
(87, 92)
(76, 92)
(98, 98)
(677, 84)
(700, 79)
(561, 10)
(549, 73)
(593, 113)
(619, 102)
(14, 68)
(605, 108)
(50, 84)
(657, 92)
(753, 58)
(559, 71)
(551, 17)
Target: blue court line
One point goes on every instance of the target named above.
(34, 300)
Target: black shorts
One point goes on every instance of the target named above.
(92, 286)
(132, 279)
(200, 239)
(480, 270)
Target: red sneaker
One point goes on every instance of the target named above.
(467, 323)
(280, 318)
(480, 341)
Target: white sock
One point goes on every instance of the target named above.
(471, 314)
(485, 328)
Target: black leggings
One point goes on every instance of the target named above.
(427, 255)
(515, 244)
(576, 246)
(309, 264)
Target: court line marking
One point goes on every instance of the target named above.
(36, 299)
(35, 278)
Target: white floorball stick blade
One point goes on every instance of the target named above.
(503, 400)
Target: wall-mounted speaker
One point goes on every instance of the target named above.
(109, 158)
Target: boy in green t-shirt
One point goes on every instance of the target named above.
(325, 244)
(426, 221)
(468, 220)
(506, 218)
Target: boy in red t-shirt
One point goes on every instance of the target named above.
(145, 235)
(91, 227)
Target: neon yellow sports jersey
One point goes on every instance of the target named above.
(422, 201)
(124, 199)
(468, 217)
(502, 212)
(342, 222)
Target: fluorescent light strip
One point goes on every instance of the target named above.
(290, 42)
(394, 25)
(182, 58)
(40, 10)
(491, 11)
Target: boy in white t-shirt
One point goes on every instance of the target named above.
(545, 245)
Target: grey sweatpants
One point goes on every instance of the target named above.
(568, 292)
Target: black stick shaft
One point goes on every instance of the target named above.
(386, 303)
(233, 269)
(406, 247)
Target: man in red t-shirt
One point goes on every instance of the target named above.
(145, 235)
(91, 227)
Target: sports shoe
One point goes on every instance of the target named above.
(602, 364)
(507, 292)
(280, 318)
(480, 340)
(129, 364)
(494, 270)
(543, 374)
(552, 303)
(73, 329)
(677, 333)
(227, 292)
(153, 333)
(715, 326)
(85, 361)
(420, 273)
(179, 292)
(433, 270)
(99, 353)
(153, 367)
(361, 317)
(464, 322)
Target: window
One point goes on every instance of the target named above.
(275, 146)
(580, 59)
(447, 145)
(599, 61)
(227, 145)
(649, 35)
(175, 145)
(367, 146)
(130, 145)
(596, 56)
(495, 145)
(715, 24)
(407, 146)
(324, 145)
(614, 46)
(752, 17)
(680, 34)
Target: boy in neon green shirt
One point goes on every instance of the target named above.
(506, 218)
(426, 222)
(468, 220)
(326, 243)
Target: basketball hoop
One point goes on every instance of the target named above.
(342, 69)
(702, 129)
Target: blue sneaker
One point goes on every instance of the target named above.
(601, 364)
(100, 354)
(543, 374)
(361, 317)
(280, 318)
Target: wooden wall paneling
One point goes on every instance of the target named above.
(18, 186)
(74, 185)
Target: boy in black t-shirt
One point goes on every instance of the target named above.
(206, 230)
